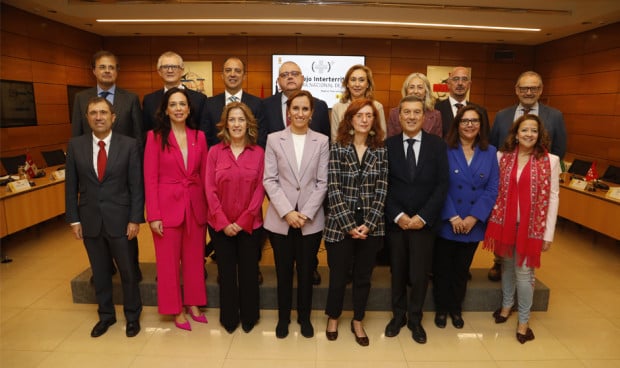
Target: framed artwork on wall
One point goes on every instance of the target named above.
(198, 76)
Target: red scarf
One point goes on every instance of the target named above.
(530, 194)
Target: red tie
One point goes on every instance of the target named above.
(102, 160)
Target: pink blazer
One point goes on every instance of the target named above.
(172, 192)
(288, 188)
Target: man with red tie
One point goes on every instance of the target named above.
(104, 203)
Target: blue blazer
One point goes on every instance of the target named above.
(552, 119)
(472, 191)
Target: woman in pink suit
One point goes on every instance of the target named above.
(234, 189)
(175, 158)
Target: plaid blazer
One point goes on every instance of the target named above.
(345, 186)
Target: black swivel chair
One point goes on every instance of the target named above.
(53, 158)
(11, 164)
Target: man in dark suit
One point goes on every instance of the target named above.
(416, 192)
(290, 79)
(104, 200)
(528, 89)
(127, 111)
(459, 83)
(171, 69)
(233, 75)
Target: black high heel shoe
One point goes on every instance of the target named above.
(528, 336)
(361, 340)
(331, 335)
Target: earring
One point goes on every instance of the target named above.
(517, 140)
(351, 132)
(371, 133)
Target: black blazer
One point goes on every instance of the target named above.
(151, 103)
(426, 193)
(273, 122)
(113, 203)
(215, 106)
(126, 108)
(447, 116)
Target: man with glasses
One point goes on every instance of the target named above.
(528, 89)
(233, 75)
(171, 69)
(127, 111)
(290, 79)
(459, 83)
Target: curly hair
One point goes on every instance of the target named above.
(251, 132)
(541, 147)
(482, 140)
(344, 137)
(346, 96)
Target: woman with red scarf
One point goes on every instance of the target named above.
(523, 220)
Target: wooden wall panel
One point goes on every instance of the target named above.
(15, 45)
(79, 76)
(48, 73)
(226, 46)
(15, 68)
(132, 46)
(53, 114)
(415, 49)
(50, 94)
(319, 46)
(369, 48)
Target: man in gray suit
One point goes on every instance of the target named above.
(528, 89)
(104, 203)
(126, 105)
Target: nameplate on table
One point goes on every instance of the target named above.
(578, 184)
(58, 175)
(613, 193)
(18, 185)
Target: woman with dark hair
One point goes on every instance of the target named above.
(470, 199)
(174, 170)
(295, 180)
(235, 194)
(357, 84)
(523, 220)
(357, 187)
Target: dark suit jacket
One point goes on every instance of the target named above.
(113, 203)
(426, 193)
(126, 107)
(215, 106)
(273, 122)
(151, 103)
(552, 119)
(447, 117)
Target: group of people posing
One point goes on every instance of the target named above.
(428, 184)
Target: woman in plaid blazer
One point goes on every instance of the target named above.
(357, 187)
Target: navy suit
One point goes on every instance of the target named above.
(273, 121)
(151, 103)
(447, 116)
(215, 106)
(104, 210)
(411, 251)
(552, 119)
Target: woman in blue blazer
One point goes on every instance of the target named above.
(474, 176)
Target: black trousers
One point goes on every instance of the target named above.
(451, 262)
(360, 254)
(237, 265)
(101, 250)
(288, 251)
(411, 260)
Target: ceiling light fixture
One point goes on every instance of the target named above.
(323, 21)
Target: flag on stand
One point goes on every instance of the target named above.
(592, 173)
(30, 168)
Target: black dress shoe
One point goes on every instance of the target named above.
(528, 336)
(417, 333)
(316, 278)
(495, 272)
(102, 327)
(393, 328)
(282, 329)
(457, 320)
(132, 328)
(331, 335)
(307, 330)
(247, 326)
(440, 320)
(361, 340)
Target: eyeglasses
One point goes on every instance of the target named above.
(531, 89)
(462, 79)
(170, 67)
(294, 73)
(473, 122)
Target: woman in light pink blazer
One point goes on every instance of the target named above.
(295, 180)
(175, 158)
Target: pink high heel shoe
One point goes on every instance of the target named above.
(201, 318)
(183, 326)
